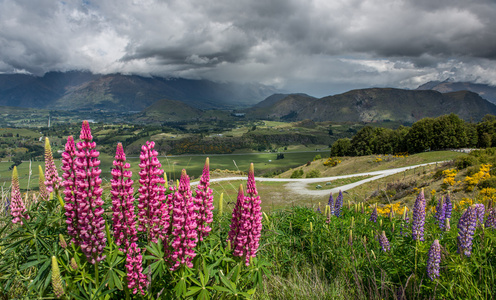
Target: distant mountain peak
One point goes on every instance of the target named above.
(449, 85)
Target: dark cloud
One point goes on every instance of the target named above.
(324, 45)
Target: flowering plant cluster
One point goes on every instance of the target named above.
(132, 241)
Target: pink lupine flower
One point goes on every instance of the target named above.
(183, 224)
(17, 208)
(52, 179)
(124, 218)
(204, 202)
(250, 223)
(236, 216)
(134, 266)
(72, 209)
(44, 194)
(153, 212)
(88, 197)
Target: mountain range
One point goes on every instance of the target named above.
(79, 90)
(156, 99)
(373, 105)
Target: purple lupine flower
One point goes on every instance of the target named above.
(479, 212)
(204, 202)
(134, 266)
(44, 194)
(124, 218)
(373, 215)
(236, 216)
(339, 204)
(466, 228)
(17, 208)
(434, 260)
(153, 212)
(184, 235)
(331, 204)
(491, 218)
(449, 206)
(72, 207)
(419, 217)
(52, 179)
(384, 242)
(89, 197)
(250, 224)
(440, 213)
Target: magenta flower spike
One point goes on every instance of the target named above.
(123, 217)
(236, 216)
(204, 202)
(153, 212)
(250, 223)
(88, 196)
(134, 266)
(419, 217)
(434, 260)
(184, 234)
(72, 209)
(17, 208)
(52, 179)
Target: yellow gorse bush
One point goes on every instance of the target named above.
(472, 181)
(488, 194)
(396, 208)
(331, 162)
(449, 177)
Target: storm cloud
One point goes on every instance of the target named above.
(318, 47)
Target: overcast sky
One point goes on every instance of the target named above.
(320, 47)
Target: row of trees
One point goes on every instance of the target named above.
(444, 132)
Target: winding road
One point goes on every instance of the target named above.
(299, 185)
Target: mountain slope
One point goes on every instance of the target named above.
(286, 108)
(78, 90)
(165, 110)
(485, 91)
(378, 104)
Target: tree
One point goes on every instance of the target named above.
(341, 147)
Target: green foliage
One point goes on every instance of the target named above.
(341, 147)
(317, 157)
(465, 162)
(444, 132)
(26, 251)
(313, 174)
(297, 174)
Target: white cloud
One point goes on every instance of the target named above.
(319, 47)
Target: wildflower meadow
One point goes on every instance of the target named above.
(81, 238)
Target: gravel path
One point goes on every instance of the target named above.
(299, 185)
